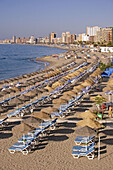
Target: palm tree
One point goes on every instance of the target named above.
(99, 101)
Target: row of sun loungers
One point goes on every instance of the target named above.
(27, 142)
(63, 109)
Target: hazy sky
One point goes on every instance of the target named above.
(40, 17)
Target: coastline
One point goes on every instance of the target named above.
(45, 60)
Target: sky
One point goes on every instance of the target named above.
(24, 18)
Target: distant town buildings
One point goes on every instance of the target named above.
(51, 37)
(93, 34)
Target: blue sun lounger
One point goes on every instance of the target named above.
(3, 120)
(20, 147)
(83, 148)
(89, 154)
(84, 140)
(47, 124)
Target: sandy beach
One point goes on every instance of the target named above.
(55, 150)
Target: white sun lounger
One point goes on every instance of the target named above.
(84, 140)
(89, 154)
(83, 148)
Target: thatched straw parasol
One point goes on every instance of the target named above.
(15, 101)
(41, 115)
(59, 101)
(3, 109)
(50, 89)
(86, 84)
(71, 93)
(76, 89)
(24, 98)
(30, 94)
(57, 84)
(108, 88)
(67, 97)
(32, 122)
(88, 122)
(85, 131)
(49, 110)
(88, 114)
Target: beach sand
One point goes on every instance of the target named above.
(54, 151)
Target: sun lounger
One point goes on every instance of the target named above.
(83, 148)
(25, 148)
(3, 121)
(89, 154)
(84, 140)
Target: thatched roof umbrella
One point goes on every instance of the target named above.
(15, 101)
(52, 109)
(41, 115)
(59, 101)
(17, 89)
(66, 78)
(11, 90)
(71, 93)
(50, 89)
(108, 88)
(30, 94)
(88, 114)
(89, 122)
(35, 91)
(87, 84)
(80, 86)
(81, 69)
(86, 131)
(67, 97)
(3, 109)
(4, 92)
(24, 98)
(57, 84)
(32, 122)
(77, 90)
(110, 82)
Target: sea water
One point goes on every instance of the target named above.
(17, 60)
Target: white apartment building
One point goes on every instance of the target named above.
(92, 31)
(63, 37)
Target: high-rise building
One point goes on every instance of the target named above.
(14, 39)
(105, 35)
(18, 40)
(68, 37)
(83, 37)
(51, 37)
(63, 37)
(73, 38)
(92, 31)
(32, 40)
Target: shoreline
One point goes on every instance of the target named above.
(41, 59)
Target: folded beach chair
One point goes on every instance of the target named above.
(84, 140)
(89, 154)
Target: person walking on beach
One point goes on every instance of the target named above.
(110, 111)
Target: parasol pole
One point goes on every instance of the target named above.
(99, 148)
